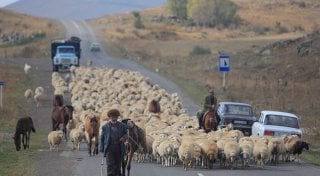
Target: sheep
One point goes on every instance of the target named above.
(189, 153)
(295, 146)
(27, 68)
(76, 136)
(246, 148)
(54, 139)
(289, 142)
(276, 148)
(261, 152)
(232, 152)
(28, 94)
(210, 152)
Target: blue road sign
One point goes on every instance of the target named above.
(224, 63)
(2, 83)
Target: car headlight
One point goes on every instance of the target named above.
(56, 60)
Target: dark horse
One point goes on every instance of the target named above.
(136, 140)
(24, 128)
(210, 121)
(58, 100)
(61, 115)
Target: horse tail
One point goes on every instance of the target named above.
(32, 127)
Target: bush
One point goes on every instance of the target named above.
(198, 50)
(137, 20)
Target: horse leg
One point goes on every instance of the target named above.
(89, 145)
(130, 155)
(24, 140)
(28, 138)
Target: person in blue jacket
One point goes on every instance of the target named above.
(114, 135)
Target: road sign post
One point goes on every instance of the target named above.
(224, 67)
(1, 87)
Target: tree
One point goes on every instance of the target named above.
(178, 8)
(212, 12)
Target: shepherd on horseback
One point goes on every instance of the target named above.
(210, 103)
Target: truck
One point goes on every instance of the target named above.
(65, 53)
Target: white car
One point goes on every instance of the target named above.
(275, 123)
(94, 46)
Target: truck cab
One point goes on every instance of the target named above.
(65, 53)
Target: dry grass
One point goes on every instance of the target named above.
(11, 22)
(281, 81)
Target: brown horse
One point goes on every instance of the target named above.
(24, 127)
(210, 121)
(154, 106)
(136, 140)
(61, 115)
(91, 126)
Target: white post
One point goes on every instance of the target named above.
(1, 97)
(224, 80)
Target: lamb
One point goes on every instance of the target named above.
(76, 136)
(39, 95)
(27, 68)
(54, 139)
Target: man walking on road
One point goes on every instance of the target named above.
(113, 136)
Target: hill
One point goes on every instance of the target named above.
(274, 54)
(25, 36)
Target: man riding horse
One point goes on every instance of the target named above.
(210, 103)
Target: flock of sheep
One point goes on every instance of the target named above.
(169, 137)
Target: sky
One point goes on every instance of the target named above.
(6, 2)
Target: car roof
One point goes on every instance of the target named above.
(233, 103)
(279, 113)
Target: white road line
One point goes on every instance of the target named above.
(200, 174)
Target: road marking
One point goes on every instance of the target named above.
(200, 174)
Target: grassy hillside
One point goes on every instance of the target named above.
(25, 36)
(266, 68)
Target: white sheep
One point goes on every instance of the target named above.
(261, 152)
(276, 148)
(232, 152)
(76, 136)
(27, 68)
(54, 139)
(28, 94)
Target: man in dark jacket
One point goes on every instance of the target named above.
(210, 102)
(113, 136)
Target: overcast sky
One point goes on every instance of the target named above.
(6, 2)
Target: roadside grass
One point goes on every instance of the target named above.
(12, 162)
(312, 157)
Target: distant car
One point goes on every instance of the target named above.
(94, 46)
(275, 123)
(239, 114)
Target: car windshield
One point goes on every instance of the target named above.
(238, 110)
(66, 50)
(285, 121)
